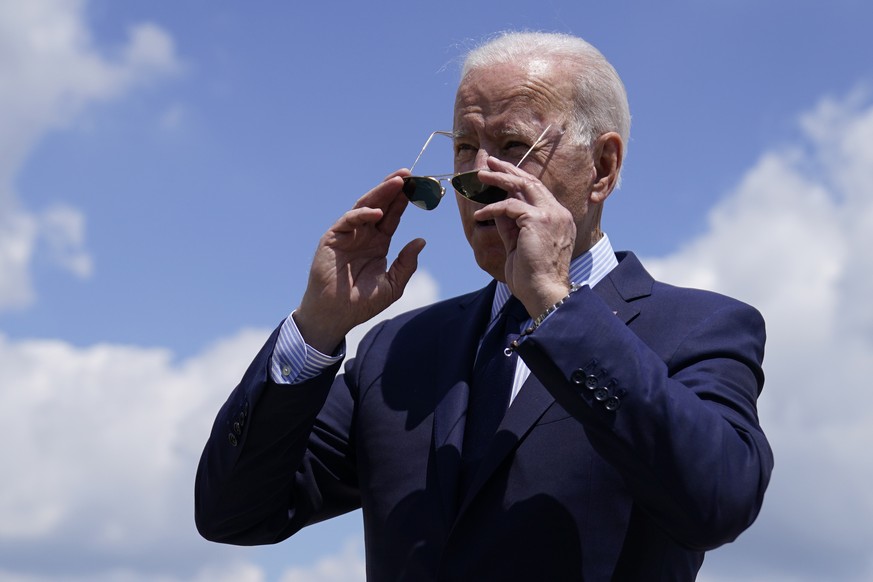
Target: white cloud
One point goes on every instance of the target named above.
(48, 56)
(17, 235)
(64, 233)
(238, 571)
(794, 239)
(100, 426)
(106, 441)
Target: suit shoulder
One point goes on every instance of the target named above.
(700, 301)
(635, 283)
(695, 295)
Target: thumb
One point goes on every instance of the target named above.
(404, 266)
(507, 229)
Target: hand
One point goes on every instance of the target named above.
(538, 234)
(348, 280)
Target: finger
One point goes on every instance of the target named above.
(402, 172)
(508, 231)
(508, 216)
(390, 198)
(356, 218)
(405, 265)
(516, 181)
(393, 213)
(383, 194)
(497, 165)
(511, 208)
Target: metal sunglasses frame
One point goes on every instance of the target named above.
(467, 184)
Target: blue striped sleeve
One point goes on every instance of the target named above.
(294, 361)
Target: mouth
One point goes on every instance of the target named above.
(485, 222)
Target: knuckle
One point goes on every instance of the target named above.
(528, 182)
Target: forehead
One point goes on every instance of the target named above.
(511, 94)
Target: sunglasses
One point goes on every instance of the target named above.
(427, 191)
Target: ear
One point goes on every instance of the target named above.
(607, 153)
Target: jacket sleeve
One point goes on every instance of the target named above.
(669, 401)
(278, 457)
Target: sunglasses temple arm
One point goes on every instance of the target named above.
(430, 137)
(535, 144)
(418, 157)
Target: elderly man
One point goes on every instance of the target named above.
(574, 420)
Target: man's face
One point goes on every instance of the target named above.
(500, 111)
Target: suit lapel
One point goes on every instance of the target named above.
(607, 291)
(457, 344)
(628, 281)
(625, 283)
(528, 407)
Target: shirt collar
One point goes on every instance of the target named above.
(589, 268)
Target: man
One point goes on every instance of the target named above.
(631, 444)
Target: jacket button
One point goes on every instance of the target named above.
(612, 403)
(578, 377)
(237, 428)
(231, 438)
(601, 394)
(591, 382)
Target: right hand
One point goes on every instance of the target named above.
(538, 234)
(348, 280)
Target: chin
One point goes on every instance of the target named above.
(491, 264)
(487, 248)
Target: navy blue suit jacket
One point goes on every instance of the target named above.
(633, 447)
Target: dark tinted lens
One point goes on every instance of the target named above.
(469, 186)
(423, 192)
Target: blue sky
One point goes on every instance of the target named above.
(168, 168)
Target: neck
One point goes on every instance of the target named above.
(584, 244)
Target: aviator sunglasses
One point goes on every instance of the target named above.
(427, 191)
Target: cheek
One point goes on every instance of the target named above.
(577, 204)
(466, 214)
(572, 191)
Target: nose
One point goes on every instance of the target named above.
(480, 162)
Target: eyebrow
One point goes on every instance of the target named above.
(507, 131)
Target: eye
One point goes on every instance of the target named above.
(465, 151)
(511, 146)
(513, 149)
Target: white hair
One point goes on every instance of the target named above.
(601, 101)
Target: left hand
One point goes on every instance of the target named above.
(350, 280)
(538, 233)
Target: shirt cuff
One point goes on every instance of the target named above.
(294, 361)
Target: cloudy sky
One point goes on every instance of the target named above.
(166, 169)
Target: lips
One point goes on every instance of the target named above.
(485, 222)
